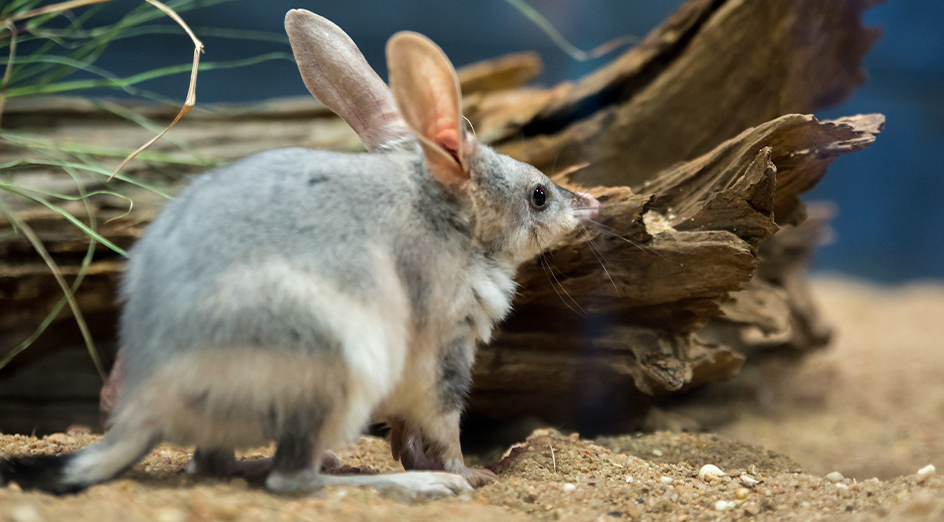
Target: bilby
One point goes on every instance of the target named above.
(296, 294)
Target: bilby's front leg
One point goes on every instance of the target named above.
(442, 433)
(428, 437)
(407, 445)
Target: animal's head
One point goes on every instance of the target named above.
(518, 211)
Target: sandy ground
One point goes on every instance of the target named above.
(871, 406)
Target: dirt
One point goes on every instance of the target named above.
(872, 405)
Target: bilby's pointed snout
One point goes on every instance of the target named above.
(590, 207)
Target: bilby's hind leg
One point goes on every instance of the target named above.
(299, 436)
(292, 465)
(288, 476)
(216, 462)
(433, 484)
(213, 462)
(300, 445)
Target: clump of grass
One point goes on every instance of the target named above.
(63, 42)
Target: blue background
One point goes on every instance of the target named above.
(890, 220)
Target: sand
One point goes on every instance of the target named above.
(871, 406)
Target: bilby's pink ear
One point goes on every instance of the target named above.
(336, 72)
(427, 93)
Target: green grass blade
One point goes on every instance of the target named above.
(141, 77)
(84, 197)
(155, 128)
(19, 6)
(41, 144)
(90, 168)
(51, 316)
(69, 217)
(67, 291)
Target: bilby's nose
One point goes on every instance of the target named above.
(590, 208)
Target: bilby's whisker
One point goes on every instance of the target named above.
(595, 251)
(551, 270)
(551, 267)
(552, 279)
(597, 223)
(603, 230)
(610, 231)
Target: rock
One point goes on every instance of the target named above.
(921, 505)
(834, 477)
(748, 481)
(169, 515)
(742, 493)
(25, 513)
(927, 470)
(710, 472)
(569, 487)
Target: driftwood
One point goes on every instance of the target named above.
(696, 264)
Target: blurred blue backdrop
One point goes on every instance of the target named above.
(891, 216)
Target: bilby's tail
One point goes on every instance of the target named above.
(43, 472)
(61, 474)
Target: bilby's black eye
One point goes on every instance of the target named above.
(539, 197)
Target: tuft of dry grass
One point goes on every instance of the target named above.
(56, 53)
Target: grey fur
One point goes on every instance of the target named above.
(226, 219)
(455, 373)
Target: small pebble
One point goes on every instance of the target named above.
(742, 493)
(657, 453)
(748, 481)
(24, 513)
(927, 470)
(722, 505)
(710, 472)
(569, 487)
(169, 515)
(629, 479)
(667, 480)
(834, 477)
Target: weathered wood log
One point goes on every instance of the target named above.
(713, 69)
(655, 315)
(685, 275)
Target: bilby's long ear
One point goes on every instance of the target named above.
(426, 89)
(336, 72)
